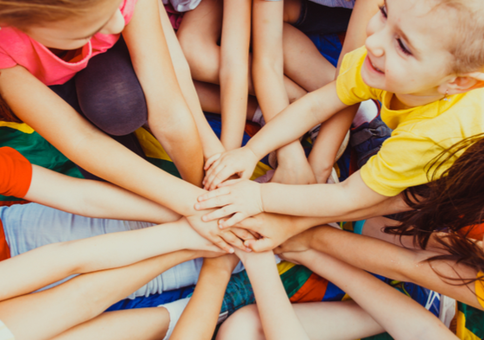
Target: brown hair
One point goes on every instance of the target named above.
(24, 13)
(453, 204)
(467, 45)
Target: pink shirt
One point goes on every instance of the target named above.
(17, 48)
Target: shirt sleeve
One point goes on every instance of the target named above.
(127, 10)
(15, 173)
(350, 86)
(5, 60)
(401, 163)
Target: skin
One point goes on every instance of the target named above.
(368, 313)
(421, 77)
(85, 145)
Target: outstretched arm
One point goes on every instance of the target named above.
(289, 125)
(200, 317)
(399, 315)
(169, 116)
(93, 198)
(279, 321)
(391, 261)
(39, 267)
(234, 83)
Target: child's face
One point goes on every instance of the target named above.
(72, 33)
(408, 48)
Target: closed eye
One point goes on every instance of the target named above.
(403, 48)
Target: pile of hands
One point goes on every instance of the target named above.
(232, 211)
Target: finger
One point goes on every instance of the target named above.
(213, 203)
(264, 244)
(221, 176)
(220, 213)
(219, 242)
(233, 220)
(212, 194)
(212, 173)
(233, 240)
(230, 182)
(243, 234)
(278, 250)
(211, 160)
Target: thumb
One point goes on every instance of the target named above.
(264, 244)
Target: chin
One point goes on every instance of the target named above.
(370, 81)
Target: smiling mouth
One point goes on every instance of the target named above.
(374, 67)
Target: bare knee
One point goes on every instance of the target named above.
(242, 325)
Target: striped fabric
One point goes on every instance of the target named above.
(5, 333)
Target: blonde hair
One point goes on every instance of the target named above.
(24, 13)
(467, 45)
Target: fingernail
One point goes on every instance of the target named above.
(197, 206)
(248, 250)
(231, 250)
(204, 218)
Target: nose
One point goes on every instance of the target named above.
(375, 39)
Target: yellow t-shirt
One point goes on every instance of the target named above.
(419, 134)
(480, 290)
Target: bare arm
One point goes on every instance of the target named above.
(39, 267)
(200, 317)
(392, 261)
(279, 321)
(234, 83)
(399, 315)
(169, 116)
(93, 198)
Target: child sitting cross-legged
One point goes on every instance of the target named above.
(428, 80)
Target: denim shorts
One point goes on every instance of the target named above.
(319, 19)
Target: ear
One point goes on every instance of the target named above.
(463, 83)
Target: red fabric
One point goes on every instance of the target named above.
(312, 291)
(15, 179)
(15, 173)
(475, 231)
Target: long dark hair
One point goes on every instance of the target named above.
(453, 203)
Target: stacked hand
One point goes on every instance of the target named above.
(238, 199)
(220, 167)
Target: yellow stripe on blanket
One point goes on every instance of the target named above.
(18, 126)
(462, 332)
(153, 149)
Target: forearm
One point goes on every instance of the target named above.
(200, 317)
(277, 315)
(93, 198)
(234, 70)
(169, 116)
(330, 138)
(296, 120)
(397, 263)
(328, 200)
(402, 317)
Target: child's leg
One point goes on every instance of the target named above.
(139, 324)
(321, 320)
(209, 95)
(49, 313)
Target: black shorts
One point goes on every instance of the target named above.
(318, 19)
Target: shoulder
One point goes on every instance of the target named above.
(13, 44)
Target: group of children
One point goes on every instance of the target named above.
(87, 74)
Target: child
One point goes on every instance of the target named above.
(429, 88)
(49, 44)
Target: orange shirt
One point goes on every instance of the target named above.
(15, 179)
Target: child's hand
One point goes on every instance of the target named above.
(240, 198)
(192, 240)
(223, 239)
(226, 263)
(220, 167)
(298, 243)
(245, 257)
